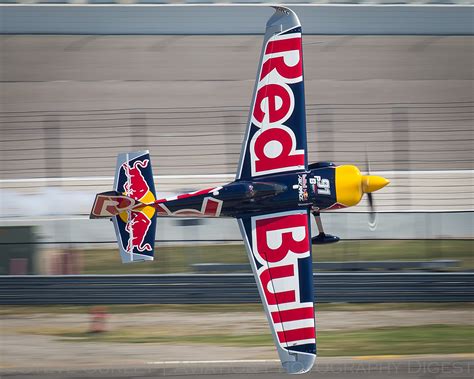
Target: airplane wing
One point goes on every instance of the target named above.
(279, 250)
(275, 140)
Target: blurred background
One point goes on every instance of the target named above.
(82, 83)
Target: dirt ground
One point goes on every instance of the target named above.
(21, 348)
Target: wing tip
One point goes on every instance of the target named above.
(302, 363)
(283, 17)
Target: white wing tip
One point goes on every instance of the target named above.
(283, 17)
(302, 364)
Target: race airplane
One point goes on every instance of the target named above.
(273, 196)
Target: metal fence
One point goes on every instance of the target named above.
(207, 140)
(225, 289)
(424, 148)
(288, 2)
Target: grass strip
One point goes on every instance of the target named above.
(408, 340)
(174, 259)
(12, 310)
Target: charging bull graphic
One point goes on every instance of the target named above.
(136, 186)
(136, 226)
(138, 222)
(273, 197)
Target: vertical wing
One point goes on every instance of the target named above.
(279, 250)
(275, 140)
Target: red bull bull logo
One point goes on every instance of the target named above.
(139, 221)
(137, 227)
(136, 186)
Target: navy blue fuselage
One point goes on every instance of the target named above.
(268, 194)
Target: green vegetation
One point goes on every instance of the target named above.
(149, 336)
(173, 259)
(422, 339)
(168, 259)
(126, 309)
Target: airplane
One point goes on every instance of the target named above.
(273, 197)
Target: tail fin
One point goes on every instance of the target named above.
(134, 220)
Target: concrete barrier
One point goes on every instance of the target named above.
(233, 19)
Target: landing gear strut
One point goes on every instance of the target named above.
(321, 238)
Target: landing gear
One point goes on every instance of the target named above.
(321, 238)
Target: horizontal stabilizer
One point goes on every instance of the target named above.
(136, 228)
(111, 203)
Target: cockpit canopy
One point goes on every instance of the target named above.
(317, 165)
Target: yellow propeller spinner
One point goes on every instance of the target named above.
(351, 184)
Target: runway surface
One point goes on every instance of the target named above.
(70, 103)
(331, 368)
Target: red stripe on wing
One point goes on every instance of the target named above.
(297, 334)
(293, 315)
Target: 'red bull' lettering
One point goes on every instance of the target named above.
(274, 150)
(111, 205)
(273, 104)
(275, 273)
(210, 207)
(278, 49)
(273, 147)
(290, 231)
(279, 241)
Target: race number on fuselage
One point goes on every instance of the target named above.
(275, 140)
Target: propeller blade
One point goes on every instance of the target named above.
(370, 198)
(367, 162)
(372, 212)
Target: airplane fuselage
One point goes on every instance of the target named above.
(324, 186)
(312, 188)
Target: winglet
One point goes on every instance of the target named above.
(282, 19)
(302, 364)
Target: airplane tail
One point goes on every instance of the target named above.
(128, 206)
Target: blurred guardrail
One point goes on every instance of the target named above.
(403, 19)
(236, 288)
(287, 2)
(433, 265)
(408, 191)
(84, 233)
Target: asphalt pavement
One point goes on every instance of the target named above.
(331, 368)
